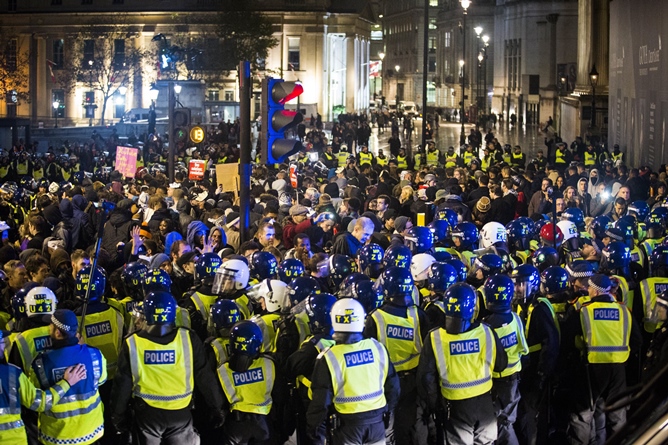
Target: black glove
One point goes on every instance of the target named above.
(217, 419)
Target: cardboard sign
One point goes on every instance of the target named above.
(293, 176)
(126, 161)
(196, 169)
(227, 175)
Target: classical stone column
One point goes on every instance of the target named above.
(552, 79)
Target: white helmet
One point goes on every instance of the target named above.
(40, 301)
(420, 264)
(569, 229)
(348, 316)
(276, 296)
(491, 233)
(232, 275)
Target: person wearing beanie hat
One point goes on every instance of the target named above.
(16, 386)
(401, 224)
(605, 328)
(81, 419)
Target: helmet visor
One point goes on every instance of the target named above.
(224, 282)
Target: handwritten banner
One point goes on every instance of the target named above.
(126, 161)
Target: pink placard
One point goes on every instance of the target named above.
(126, 161)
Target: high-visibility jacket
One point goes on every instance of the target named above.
(78, 417)
(589, 159)
(517, 159)
(451, 160)
(342, 157)
(104, 331)
(559, 156)
(548, 303)
(617, 157)
(21, 168)
(515, 343)
(320, 346)
(162, 375)
(249, 391)
(381, 161)
(401, 336)
(468, 156)
(203, 303)
(418, 159)
(365, 158)
(486, 162)
(464, 361)
(221, 349)
(331, 158)
(432, 157)
(651, 288)
(38, 173)
(4, 171)
(402, 163)
(269, 325)
(301, 321)
(358, 373)
(16, 389)
(606, 327)
(626, 293)
(30, 343)
(649, 245)
(637, 256)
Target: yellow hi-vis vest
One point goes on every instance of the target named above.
(485, 162)
(590, 159)
(559, 157)
(104, 330)
(38, 173)
(450, 161)
(320, 346)
(269, 324)
(162, 375)
(365, 158)
(432, 157)
(182, 318)
(221, 349)
(548, 303)
(203, 303)
(244, 306)
(16, 390)
(626, 293)
(464, 361)
(468, 157)
(358, 374)
(342, 157)
(606, 327)
(515, 343)
(381, 161)
(22, 168)
(649, 290)
(30, 343)
(4, 171)
(617, 157)
(249, 391)
(402, 163)
(637, 257)
(401, 336)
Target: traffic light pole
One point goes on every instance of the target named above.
(245, 85)
(170, 133)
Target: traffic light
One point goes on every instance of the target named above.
(276, 120)
(181, 118)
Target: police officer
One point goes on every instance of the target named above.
(198, 300)
(356, 377)
(223, 315)
(499, 293)
(78, 417)
(159, 368)
(17, 390)
(231, 282)
(439, 278)
(300, 364)
(654, 286)
(248, 380)
(400, 326)
(605, 339)
(275, 303)
(455, 371)
(133, 276)
(542, 334)
(657, 352)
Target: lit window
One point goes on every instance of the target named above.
(293, 53)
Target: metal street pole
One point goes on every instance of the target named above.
(462, 136)
(170, 129)
(425, 72)
(245, 88)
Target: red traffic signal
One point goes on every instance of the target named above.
(283, 92)
(284, 119)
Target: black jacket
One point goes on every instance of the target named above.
(117, 230)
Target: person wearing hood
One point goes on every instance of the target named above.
(602, 202)
(117, 232)
(82, 219)
(594, 179)
(583, 194)
(195, 234)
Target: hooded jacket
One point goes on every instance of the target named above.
(593, 182)
(117, 230)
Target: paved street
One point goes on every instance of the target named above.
(529, 139)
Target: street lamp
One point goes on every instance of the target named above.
(465, 6)
(478, 99)
(153, 94)
(593, 80)
(56, 104)
(485, 41)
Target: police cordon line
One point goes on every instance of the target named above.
(417, 320)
